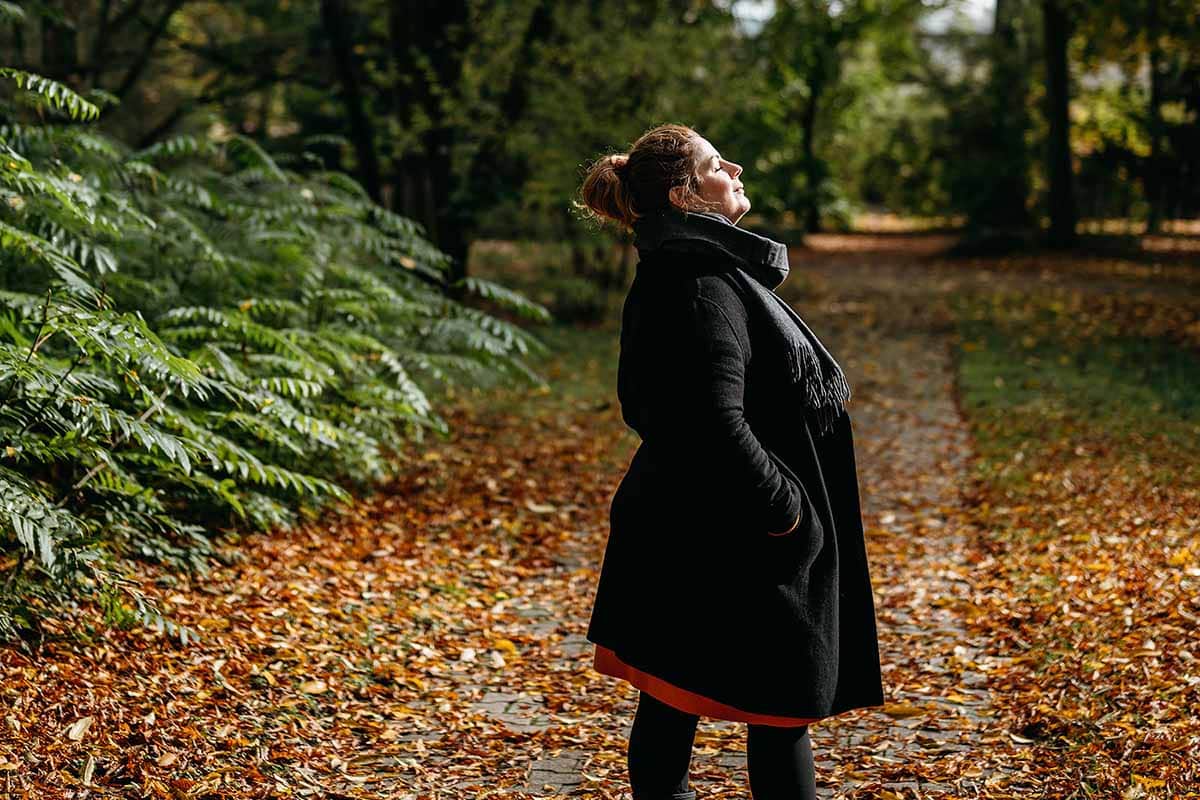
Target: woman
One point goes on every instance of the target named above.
(735, 581)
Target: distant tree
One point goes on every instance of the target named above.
(1056, 27)
(805, 48)
(1007, 99)
(1155, 44)
(349, 78)
(985, 89)
(594, 86)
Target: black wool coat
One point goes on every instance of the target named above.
(693, 589)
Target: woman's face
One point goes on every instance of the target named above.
(719, 184)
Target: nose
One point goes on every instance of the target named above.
(734, 169)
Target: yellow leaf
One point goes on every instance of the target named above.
(902, 710)
(505, 645)
(1180, 558)
(313, 687)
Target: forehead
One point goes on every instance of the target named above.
(704, 150)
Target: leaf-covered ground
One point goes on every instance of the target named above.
(1027, 451)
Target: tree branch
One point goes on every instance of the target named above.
(143, 59)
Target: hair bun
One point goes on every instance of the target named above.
(604, 190)
(622, 187)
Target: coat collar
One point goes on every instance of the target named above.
(671, 228)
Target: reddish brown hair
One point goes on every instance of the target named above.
(625, 186)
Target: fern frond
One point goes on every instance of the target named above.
(248, 151)
(38, 249)
(33, 519)
(503, 296)
(173, 148)
(53, 93)
(11, 13)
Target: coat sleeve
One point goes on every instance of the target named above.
(714, 368)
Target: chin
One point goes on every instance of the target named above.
(740, 211)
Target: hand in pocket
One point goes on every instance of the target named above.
(786, 555)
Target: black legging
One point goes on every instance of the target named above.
(779, 760)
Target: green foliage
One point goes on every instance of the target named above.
(598, 77)
(11, 12)
(194, 338)
(810, 124)
(573, 280)
(43, 92)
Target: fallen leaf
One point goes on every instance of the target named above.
(78, 728)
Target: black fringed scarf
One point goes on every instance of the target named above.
(824, 387)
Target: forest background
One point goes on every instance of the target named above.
(251, 251)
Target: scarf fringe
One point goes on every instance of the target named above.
(825, 396)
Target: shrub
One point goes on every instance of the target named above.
(193, 338)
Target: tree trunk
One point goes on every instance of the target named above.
(99, 43)
(333, 17)
(1154, 168)
(157, 30)
(425, 175)
(60, 57)
(812, 171)
(1003, 204)
(1062, 197)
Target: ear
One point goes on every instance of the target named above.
(675, 195)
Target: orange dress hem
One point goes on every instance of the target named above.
(606, 662)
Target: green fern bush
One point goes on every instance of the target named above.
(195, 338)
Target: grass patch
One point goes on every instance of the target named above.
(1037, 376)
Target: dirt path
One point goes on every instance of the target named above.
(887, 321)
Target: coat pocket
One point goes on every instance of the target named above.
(785, 558)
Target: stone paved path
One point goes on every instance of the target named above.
(888, 326)
(913, 452)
